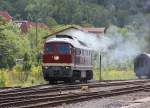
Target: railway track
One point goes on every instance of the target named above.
(58, 88)
(51, 96)
(17, 89)
(59, 99)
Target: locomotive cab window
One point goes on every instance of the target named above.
(64, 49)
(49, 49)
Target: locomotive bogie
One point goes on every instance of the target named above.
(66, 74)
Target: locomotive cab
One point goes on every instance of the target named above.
(58, 52)
(57, 61)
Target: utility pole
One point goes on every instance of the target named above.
(34, 18)
(36, 38)
(149, 41)
(100, 67)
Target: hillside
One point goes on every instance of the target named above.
(82, 12)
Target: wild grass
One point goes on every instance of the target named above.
(114, 74)
(17, 77)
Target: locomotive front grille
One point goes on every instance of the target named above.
(55, 71)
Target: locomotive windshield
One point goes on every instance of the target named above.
(49, 49)
(64, 48)
(61, 48)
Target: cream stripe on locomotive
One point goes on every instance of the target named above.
(64, 64)
(58, 64)
(83, 66)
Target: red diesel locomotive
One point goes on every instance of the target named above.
(66, 59)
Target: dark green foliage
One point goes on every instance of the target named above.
(6, 51)
(2, 82)
(95, 12)
(26, 62)
(26, 57)
(51, 22)
(15, 46)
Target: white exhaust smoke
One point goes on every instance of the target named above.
(118, 46)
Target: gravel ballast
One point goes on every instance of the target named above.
(111, 102)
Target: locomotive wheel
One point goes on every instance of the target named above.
(83, 80)
(52, 82)
(148, 76)
(89, 75)
(139, 77)
(69, 80)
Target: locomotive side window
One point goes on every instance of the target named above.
(81, 52)
(78, 51)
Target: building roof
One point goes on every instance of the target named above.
(25, 25)
(32, 24)
(95, 30)
(63, 28)
(6, 15)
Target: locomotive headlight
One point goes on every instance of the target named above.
(67, 67)
(45, 67)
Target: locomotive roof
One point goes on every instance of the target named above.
(147, 54)
(73, 41)
(144, 54)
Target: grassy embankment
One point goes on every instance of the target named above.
(114, 74)
(17, 77)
